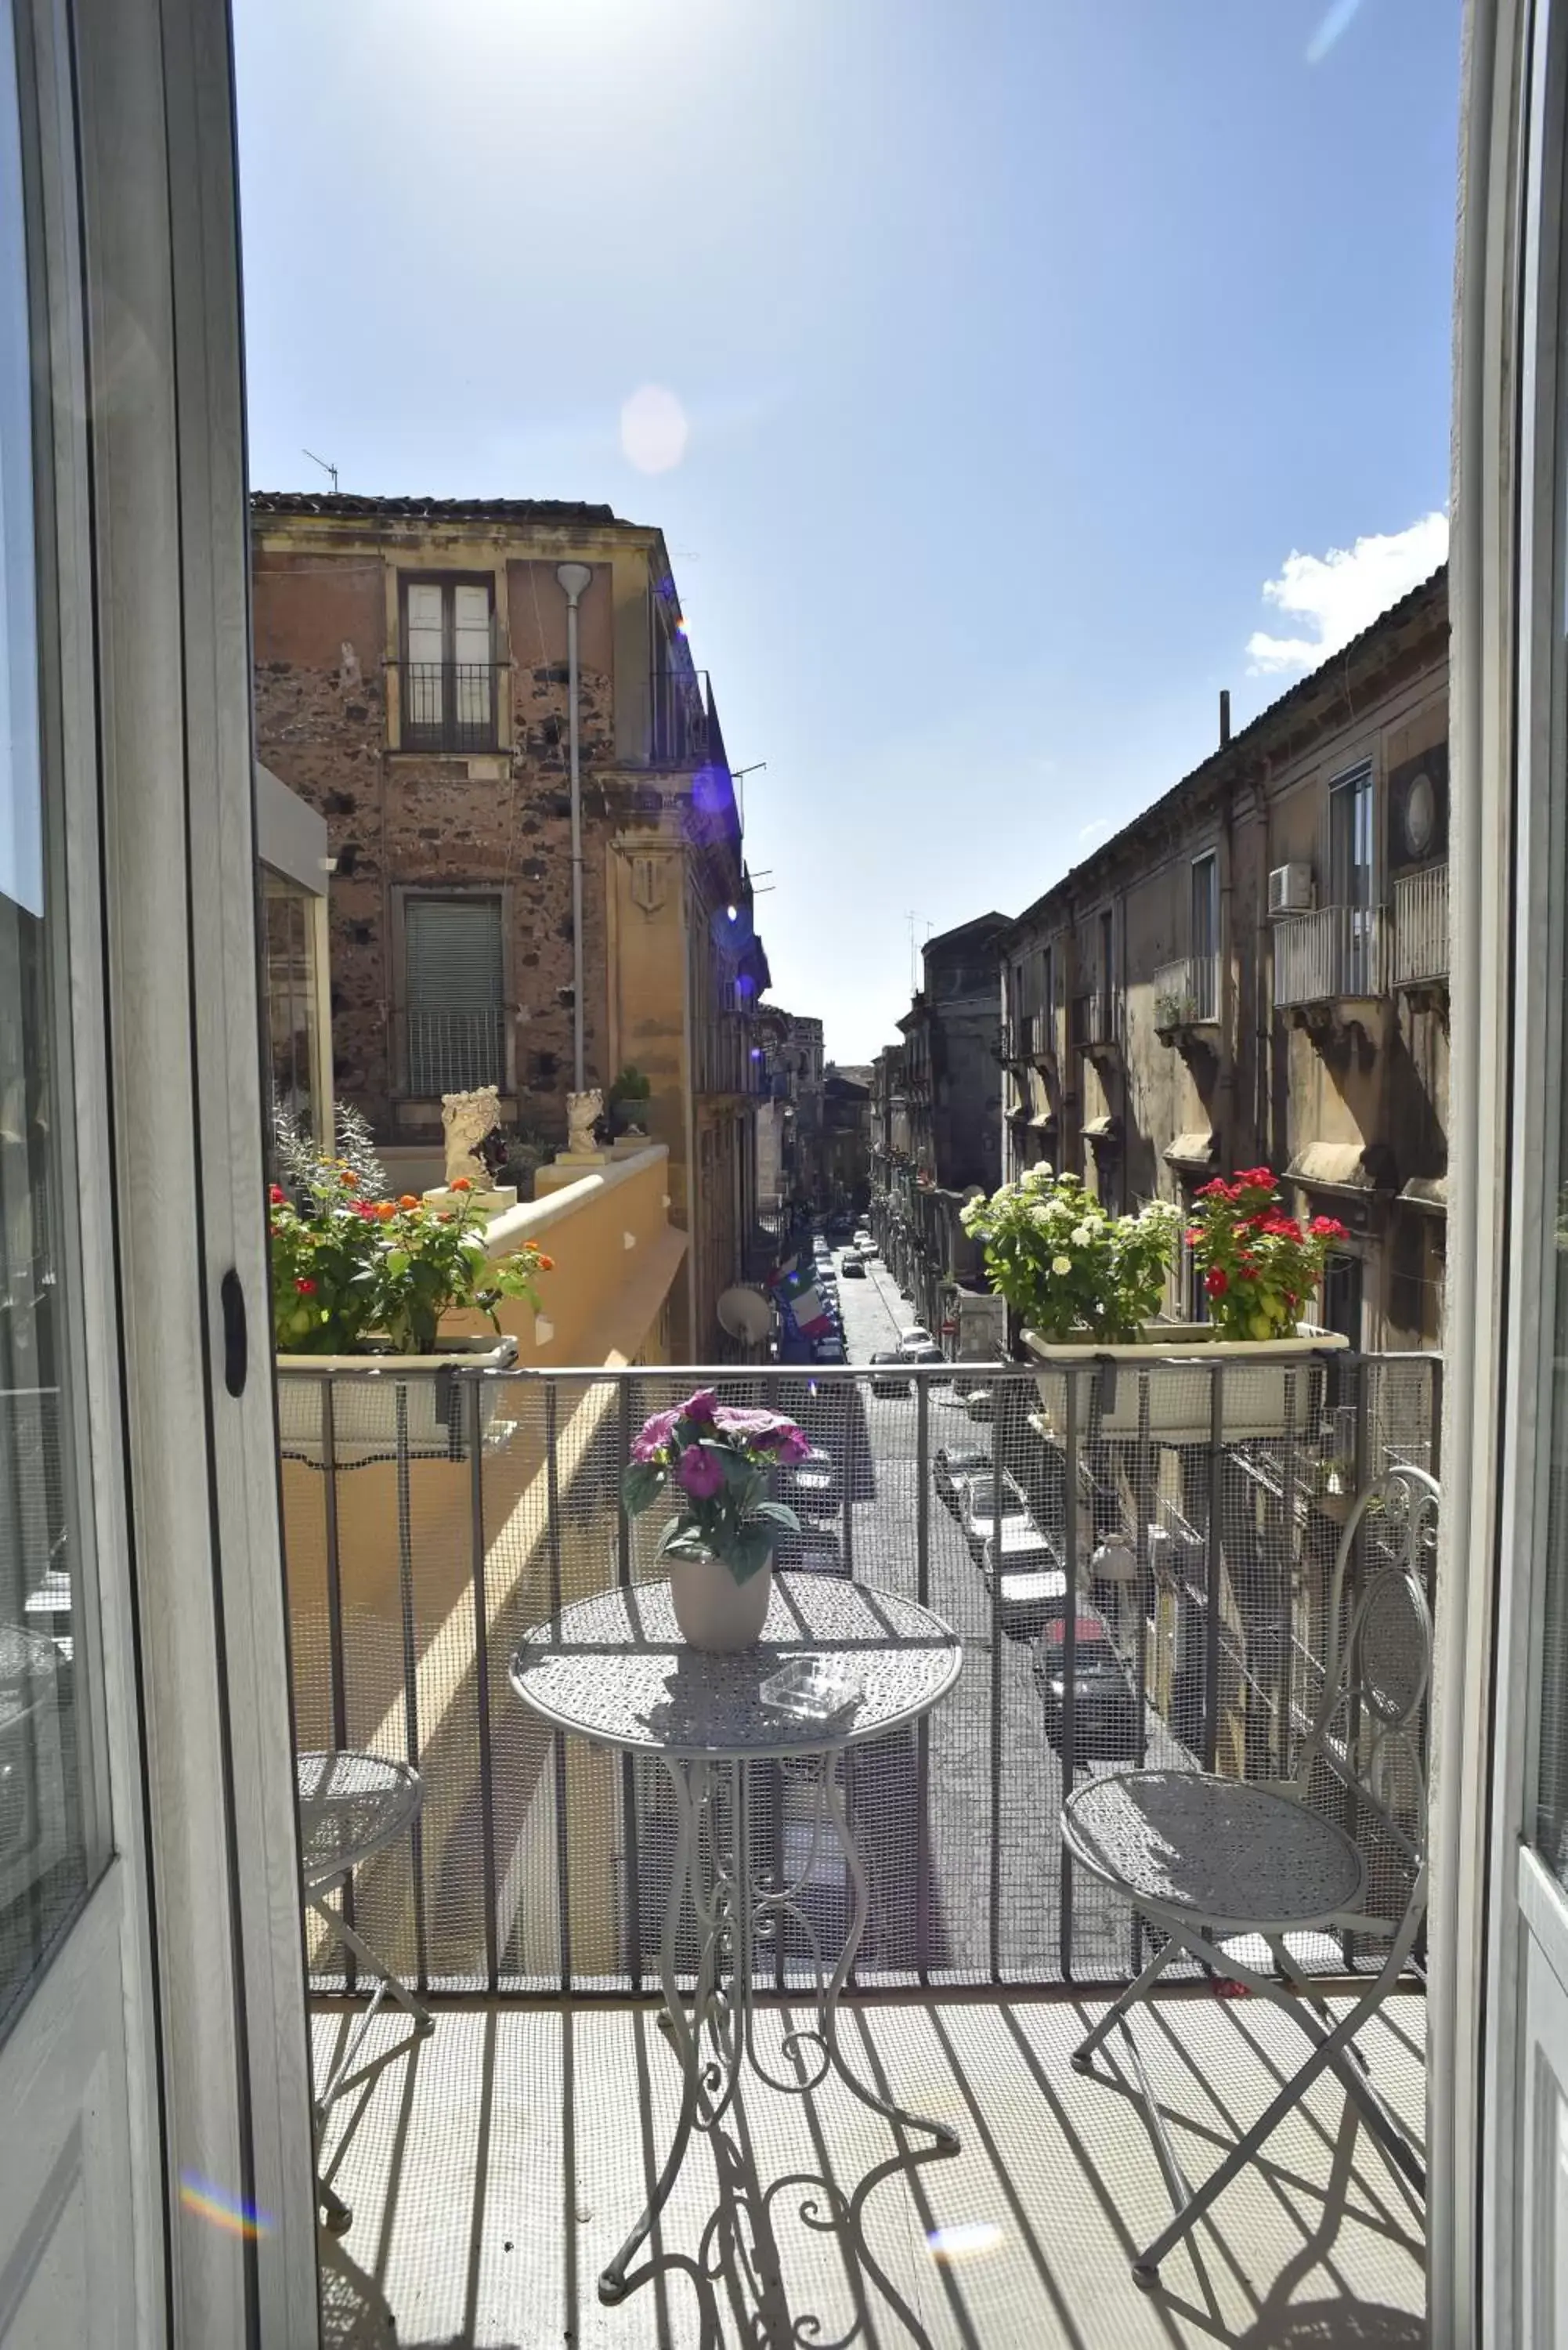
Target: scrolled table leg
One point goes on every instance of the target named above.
(946, 2138)
(684, 2035)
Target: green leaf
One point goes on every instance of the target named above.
(642, 1482)
(751, 1551)
(397, 1261)
(776, 1513)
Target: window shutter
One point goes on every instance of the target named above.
(453, 966)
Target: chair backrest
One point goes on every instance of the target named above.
(1369, 1732)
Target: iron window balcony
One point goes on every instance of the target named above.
(1338, 953)
(1421, 926)
(448, 705)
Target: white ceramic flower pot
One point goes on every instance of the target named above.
(1263, 1392)
(713, 1611)
(404, 1405)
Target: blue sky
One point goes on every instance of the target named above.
(1018, 345)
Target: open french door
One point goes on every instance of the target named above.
(155, 2169)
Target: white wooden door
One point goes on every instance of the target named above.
(1507, 1665)
(81, 2190)
(155, 2164)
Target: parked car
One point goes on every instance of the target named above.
(852, 1265)
(1107, 1720)
(869, 1250)
(811, 1486)
(951, 1468)
(977, 1503)
(915, 1335)
(885, 1381)
(1022, 1571)
(929, 1353)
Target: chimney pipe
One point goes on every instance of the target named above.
(1224, 715)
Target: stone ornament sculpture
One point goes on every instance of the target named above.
(584, 1112)
(468, 1118)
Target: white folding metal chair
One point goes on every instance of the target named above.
(1338, 1848)
(351, 1806)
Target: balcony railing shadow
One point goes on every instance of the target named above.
(492, 2169)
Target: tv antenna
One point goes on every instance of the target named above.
(325, 468)
(737, 775)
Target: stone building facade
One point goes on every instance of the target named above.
(845, 1185)
(937, 1116)
(414, 684)
(1255, 970)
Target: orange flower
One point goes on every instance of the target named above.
(545, 1263)
(348, 1181)
(462, 1183)
(385, 1209)
(408, 1199)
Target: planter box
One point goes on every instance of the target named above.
(431, 1424)
(1255, 1394)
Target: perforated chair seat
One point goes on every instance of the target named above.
(1229, 1853)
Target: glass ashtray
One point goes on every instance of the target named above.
(809, 1689)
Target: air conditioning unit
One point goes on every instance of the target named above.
(1290, 889)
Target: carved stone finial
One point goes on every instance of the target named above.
(468, 1118)
(583, 1114)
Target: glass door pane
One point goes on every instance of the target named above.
(52, 1845)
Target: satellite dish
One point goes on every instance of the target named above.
(744, 1314)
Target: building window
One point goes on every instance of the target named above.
(453, 997)
(1350, 878)
(292, 979)
(449, 665)
(1206, 937)
(1107, 1027)
(1342, 1287)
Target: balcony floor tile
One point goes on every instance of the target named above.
(495, 2168)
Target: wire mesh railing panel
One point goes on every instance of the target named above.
(1136, 1560)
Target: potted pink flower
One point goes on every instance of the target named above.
(715, 1461)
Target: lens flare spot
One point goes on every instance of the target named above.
(653, 430)
(204, 2199)
(970, 2241)
(1337, 21)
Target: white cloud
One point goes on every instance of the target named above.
(1095, 831)
(1339, 594)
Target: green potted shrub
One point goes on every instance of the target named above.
(627, 1101)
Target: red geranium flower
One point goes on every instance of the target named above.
(277, 1194)
(1329, 1228)
(1217, 1282)
(306, 1288)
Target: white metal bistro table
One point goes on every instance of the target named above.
(615, 1669)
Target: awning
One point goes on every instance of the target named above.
(1103, 1129)
(1428, 1191)
(1346, 1166)
(1199, 1149)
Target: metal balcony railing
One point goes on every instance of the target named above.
(1169, 1527)
(1186, 992)
(454, 1051)
(683, 722)
(1421, 926)
(1340, 952)
(448, 705)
